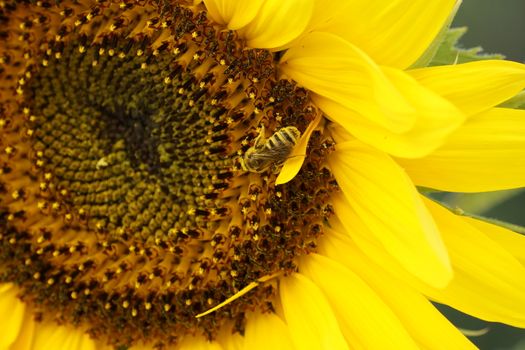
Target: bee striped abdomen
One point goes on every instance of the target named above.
(272, 151)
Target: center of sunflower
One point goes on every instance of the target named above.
(125, 209)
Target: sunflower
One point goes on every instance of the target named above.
(242, 175)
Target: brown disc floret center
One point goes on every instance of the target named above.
(123, 208)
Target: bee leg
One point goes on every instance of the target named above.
(276, 168)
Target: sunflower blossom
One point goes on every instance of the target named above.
(227, 174)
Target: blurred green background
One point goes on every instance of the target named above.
(499, 27)
(496, 25)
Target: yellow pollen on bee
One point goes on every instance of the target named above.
(147, 305)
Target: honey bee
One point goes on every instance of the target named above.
(271, 152)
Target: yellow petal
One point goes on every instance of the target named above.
(277, 23)
(488, 281)
(423, 322)
(380, 106)
(381, 195)
(339, 71)
(231, 341)
(198, 343)
(366, 321)
(267, 331)
(12, 311)
(49, 335)
(487, 153)
(476, 86)
(394, 33)
(310, 318)
(233, 13)
(294, 163)
(26, 334)
(512, 242)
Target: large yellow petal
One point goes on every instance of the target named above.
(267, 331)
(277, 23)
(366, 321)
(339, 71)
(489, 282)
(380, 106)
(487, 153)
(233, 13)
(436, 119)
(49, 335)
(512, 242)
(424, 323)
(476, 86)
(310, 318)
(394, 33)
(12, 315)
(381, 196)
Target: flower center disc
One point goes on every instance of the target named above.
(123, 207)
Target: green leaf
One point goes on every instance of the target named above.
(450, 51)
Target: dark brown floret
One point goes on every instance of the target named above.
(123, 209)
